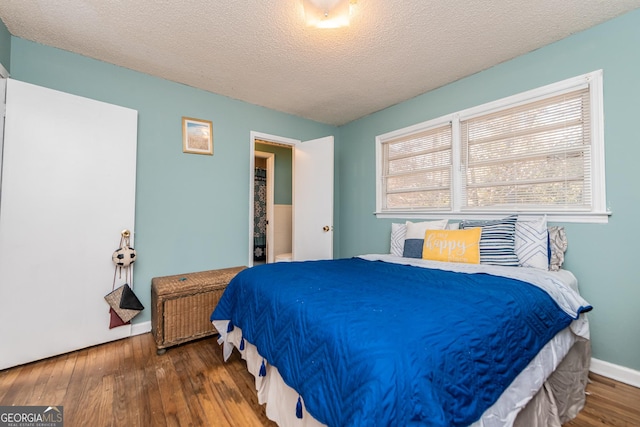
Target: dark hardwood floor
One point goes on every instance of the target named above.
(124, 383)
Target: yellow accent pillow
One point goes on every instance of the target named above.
(452, 245)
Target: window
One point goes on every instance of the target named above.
(541, 151)
(417, 169)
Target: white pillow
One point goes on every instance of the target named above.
(416, 230)
(398, 231)
(531, 243)
(414, 239)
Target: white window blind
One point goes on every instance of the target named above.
(540, 151)
(417, 170)
(535, 156)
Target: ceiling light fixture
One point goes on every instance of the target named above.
(328, 13)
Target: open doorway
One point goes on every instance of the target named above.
(271, 215)
(263, 181)
(311, 204)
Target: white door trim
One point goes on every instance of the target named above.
(4, 73)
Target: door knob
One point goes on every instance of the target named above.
(326, 228)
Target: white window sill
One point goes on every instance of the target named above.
(590, 217)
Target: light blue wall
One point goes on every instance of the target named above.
(283, 184)
(603, 257)
(5, 47)
(192, 211)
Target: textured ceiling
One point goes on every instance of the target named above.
(262, 52)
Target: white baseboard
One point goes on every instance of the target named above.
(615, 372)
(140, 328)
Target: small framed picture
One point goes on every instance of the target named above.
(197, 136)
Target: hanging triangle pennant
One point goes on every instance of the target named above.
(129, 300)
(115, 320)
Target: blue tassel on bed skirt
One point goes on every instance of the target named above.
(263, 370)
(242, 344)
(299, 408)
(230, 327)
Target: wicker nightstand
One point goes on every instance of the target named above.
(182, 304)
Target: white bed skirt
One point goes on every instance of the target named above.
(554, 383)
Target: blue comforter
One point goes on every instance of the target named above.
(368, 343)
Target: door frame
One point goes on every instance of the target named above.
(3, 109)
(253, 135)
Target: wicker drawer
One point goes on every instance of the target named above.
(182, 304)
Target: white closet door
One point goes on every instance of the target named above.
(68, 190)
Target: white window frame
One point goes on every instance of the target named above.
(598, 213)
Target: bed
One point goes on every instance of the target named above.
(389, 340)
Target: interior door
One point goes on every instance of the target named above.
(313, 199)
(68, 190)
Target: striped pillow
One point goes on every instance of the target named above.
(398, 231)
(497, 242)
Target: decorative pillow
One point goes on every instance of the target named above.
(558, 245)
(453, 245)
(531, 244)
(398, 231)
(497, 243)
(414, 239)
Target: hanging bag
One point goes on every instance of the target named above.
(114, 319)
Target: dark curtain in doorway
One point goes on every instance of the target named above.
(260, 215)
